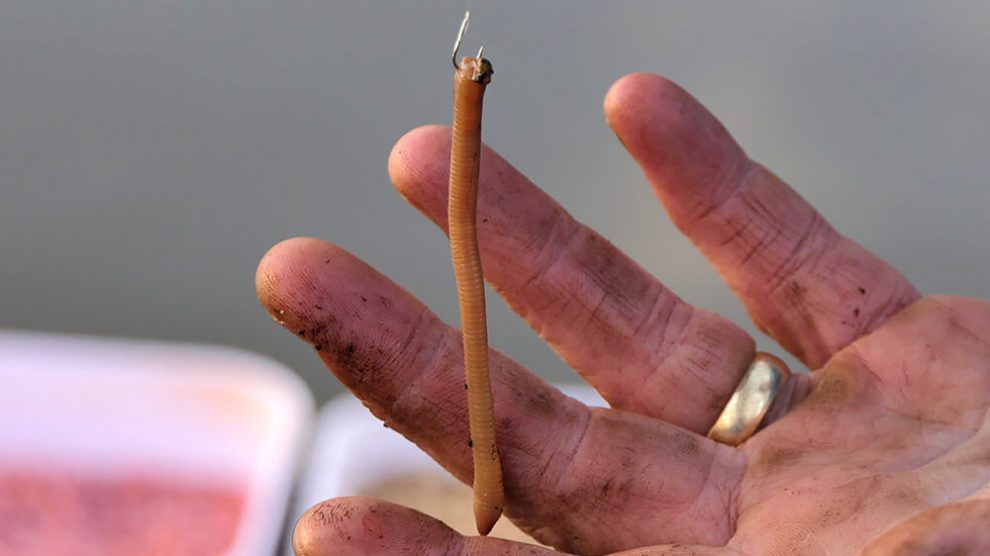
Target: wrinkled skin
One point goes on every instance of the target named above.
(883, 449)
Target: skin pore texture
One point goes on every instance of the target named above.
(470, 80)
(884, 448)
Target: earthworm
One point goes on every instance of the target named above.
(470, 79)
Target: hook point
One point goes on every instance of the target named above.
(460, 36)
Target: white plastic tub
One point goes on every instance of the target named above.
(191, 415)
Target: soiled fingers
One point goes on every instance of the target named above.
(347, 526)
(579, 479)
(640, 345)
(801, 281)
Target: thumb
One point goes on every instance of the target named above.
(348, 526)
(959, 528)
(355, 525)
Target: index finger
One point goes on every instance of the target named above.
(580, 479)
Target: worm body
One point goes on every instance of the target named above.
(470, 79)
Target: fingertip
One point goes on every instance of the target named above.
(305, 534)
(659, 122)
(685, 152)
(629, 94)
(285, 270)
(418, 167)
(321, 527)
(644, 101)
(409, 149)
(356, 525)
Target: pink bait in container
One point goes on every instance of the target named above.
(130, 447)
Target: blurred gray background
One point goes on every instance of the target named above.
(152, 151)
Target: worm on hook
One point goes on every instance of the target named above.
(470, 79)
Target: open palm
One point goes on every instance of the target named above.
(885, 448)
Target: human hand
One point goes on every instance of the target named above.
(885, 447)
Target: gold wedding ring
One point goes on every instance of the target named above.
(750, 402)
